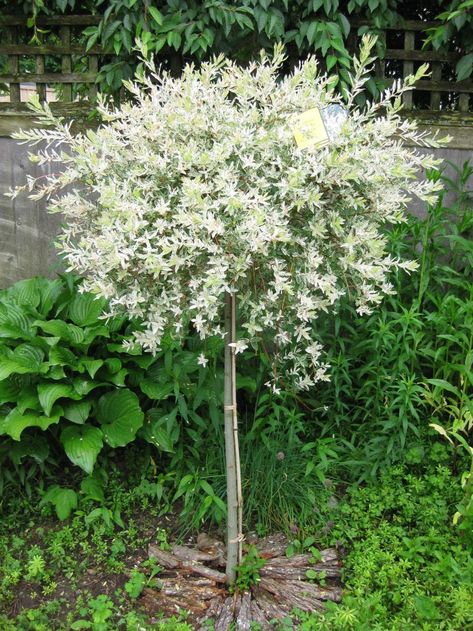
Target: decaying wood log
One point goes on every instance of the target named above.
(164, 558)
(304, 595)
(258, 616)
(270, 608)
(273, 546)
(203, 570)
(188, 584)
(297, 573)
(243, 620)
(298, 560)
(191, 554)
(226, 615)
(157, 602)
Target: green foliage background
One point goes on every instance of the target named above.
(181, 31)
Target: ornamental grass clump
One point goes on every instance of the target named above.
(195, 196)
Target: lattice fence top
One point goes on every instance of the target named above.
(404, 54)
(60, 68)
(60, 61)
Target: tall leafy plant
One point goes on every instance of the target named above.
(197, 195)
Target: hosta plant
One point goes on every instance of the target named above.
(195, 196)
(66, 378)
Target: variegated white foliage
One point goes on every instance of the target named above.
(198, 188)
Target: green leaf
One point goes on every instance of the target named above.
(24, 359)
(61, 329)
(155, 390)
(444, 385)
(28, 400)
(156, 15)
(15, 422)
(121, 416)
(82, 444)
(78, 412)
(49, 393)
(13, 318)
(425, 607)
(59, 356)
(344, 23)
(26, 292)
(464, 67)
(85, 309)
(93, 488)
(35, 447)
(161, 430)
(9, 391)
(84, 386)
(330, 60)
(91, 365)
(64, 500)
(113, 365)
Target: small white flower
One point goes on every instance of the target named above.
(202, 360)
(239, 346)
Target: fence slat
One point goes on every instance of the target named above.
(93, 69)
(436, 80)
(40, 87)
(13, 67)
(47, 49)
(66, 62)
(464, 102)
(408, 66)
(49, 77)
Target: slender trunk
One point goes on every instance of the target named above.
(232, 451)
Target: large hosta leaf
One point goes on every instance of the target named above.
(14, 319)
(78, 411)
(82, 444)
(85, 309)
(24, 359)
(49, 393)
(50, 291)
(15, 422)
(84, 386)
(156, 390)
(61, 329)
(161, 429)
(120, 414)
(9, 390)
(90, 365)
(59, 356)
(26, 292)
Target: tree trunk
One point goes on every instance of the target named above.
(232, 451)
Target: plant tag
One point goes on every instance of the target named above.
(309, 129)
(317, 127)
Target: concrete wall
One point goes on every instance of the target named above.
(27, 231)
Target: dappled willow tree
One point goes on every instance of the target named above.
(194, 207)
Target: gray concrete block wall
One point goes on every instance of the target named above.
(28, 231)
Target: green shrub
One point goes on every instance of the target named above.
(67, 380)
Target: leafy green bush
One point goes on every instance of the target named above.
(66, 379)
(407, 568)
(393, 368)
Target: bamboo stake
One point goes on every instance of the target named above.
(232, 453)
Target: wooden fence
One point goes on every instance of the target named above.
(403, 55)
(27, 231)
